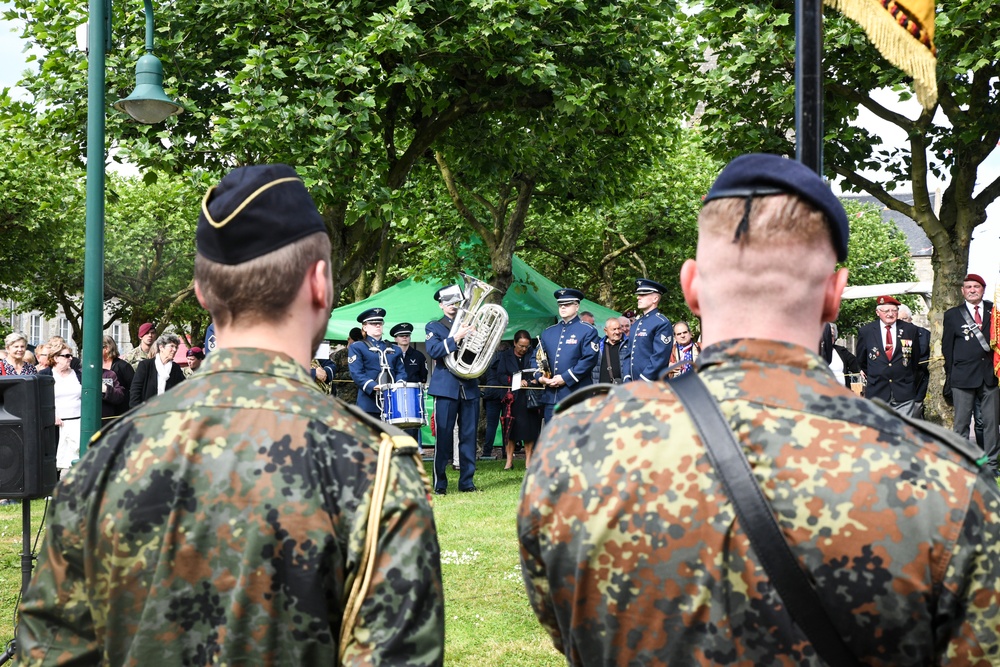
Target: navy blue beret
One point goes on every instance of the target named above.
(760, 175)
(403, 328)
(376, 314)
(647, 286)
(566, 294)
(253, 211)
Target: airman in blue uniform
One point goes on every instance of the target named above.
(572, 350)
(414, 361)
(651, 338)
(455, 398)
(373, 362)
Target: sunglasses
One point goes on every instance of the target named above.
(65, 356)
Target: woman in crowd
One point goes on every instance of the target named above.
(123, 372)
(68, 391)
(158, 374)
(42, 357)
(16, 345)
(521, 423)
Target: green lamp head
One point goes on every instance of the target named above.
(148, 103)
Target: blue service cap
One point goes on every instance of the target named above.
(253, 211)
(566, 294)
(401, 329)
(372, 315)
(761, 175)
(647, 286)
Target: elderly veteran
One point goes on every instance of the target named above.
(631, 549)
(889, 355)
(226, 521)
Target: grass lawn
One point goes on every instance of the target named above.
(487, 617)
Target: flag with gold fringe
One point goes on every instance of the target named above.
(903, 32)
(995, 332)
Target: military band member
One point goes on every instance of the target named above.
(651, 338)
(413, 360)
(572, 348)
(373, 362)
(455, 399)
(225, 521)
(889, 355)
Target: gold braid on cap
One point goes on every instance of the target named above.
(246, 202)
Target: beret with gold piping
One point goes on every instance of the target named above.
(253, 211)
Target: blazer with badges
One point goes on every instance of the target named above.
(416, 365)
(572, 349)
(444, 384)
(896, 378)
(966, 363)
(647, 354)
(365, 365)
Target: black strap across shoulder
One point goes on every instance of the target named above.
(784, 570)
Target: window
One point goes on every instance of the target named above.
(116, 333)
(35, 330)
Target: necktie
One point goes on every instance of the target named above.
(888, 341)
(979, 320)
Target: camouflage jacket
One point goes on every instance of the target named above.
(136, 355)
(632, 555)
(221, 523)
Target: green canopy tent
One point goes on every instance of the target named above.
(529, 303)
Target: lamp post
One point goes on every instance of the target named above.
(147, 104)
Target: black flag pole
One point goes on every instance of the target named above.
(809, 83)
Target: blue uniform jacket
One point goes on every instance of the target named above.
(647, 354)
(416, 365)
(572, 348)
(439, 344)
(365, 365)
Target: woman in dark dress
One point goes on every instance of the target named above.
(519, 422)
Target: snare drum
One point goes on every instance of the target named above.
(403, 405)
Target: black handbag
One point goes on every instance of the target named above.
(533, 399)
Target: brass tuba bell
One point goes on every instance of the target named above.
(475, 351)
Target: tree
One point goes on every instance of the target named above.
(353, 94)
(877, 253)
(749, 105)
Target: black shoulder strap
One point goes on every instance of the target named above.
(787, 576)
(974, 328)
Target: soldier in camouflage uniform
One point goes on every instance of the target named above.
(631, 551)
(144, 350)
(224, 522)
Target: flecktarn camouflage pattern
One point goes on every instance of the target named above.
(632, 554)
(222, 523)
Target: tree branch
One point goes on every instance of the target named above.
(875, 190)
(456, 198)
(865, 101)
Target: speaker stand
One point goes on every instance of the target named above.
(26, 566)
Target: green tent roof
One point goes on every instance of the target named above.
(529, 303)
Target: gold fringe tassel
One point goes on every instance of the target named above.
(896, 44)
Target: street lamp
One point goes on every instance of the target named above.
(147, 104)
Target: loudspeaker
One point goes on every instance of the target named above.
(28, 436)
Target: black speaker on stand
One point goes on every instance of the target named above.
(28, 441)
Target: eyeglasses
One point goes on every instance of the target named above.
(65, 356)
(41, 354)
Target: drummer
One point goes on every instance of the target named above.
(413, 360)
(373, 362)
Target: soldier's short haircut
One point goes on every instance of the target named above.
(777, 219)
(262, 289)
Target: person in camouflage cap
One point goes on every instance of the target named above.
(631, 551)
(225, 522)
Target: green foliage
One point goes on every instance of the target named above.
(878, 253)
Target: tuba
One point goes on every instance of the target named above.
(475, 351)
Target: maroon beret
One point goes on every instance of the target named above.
(976, 278)
(887, 301)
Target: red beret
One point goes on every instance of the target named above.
(887, 301)
(145, 328)
(976, 278)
